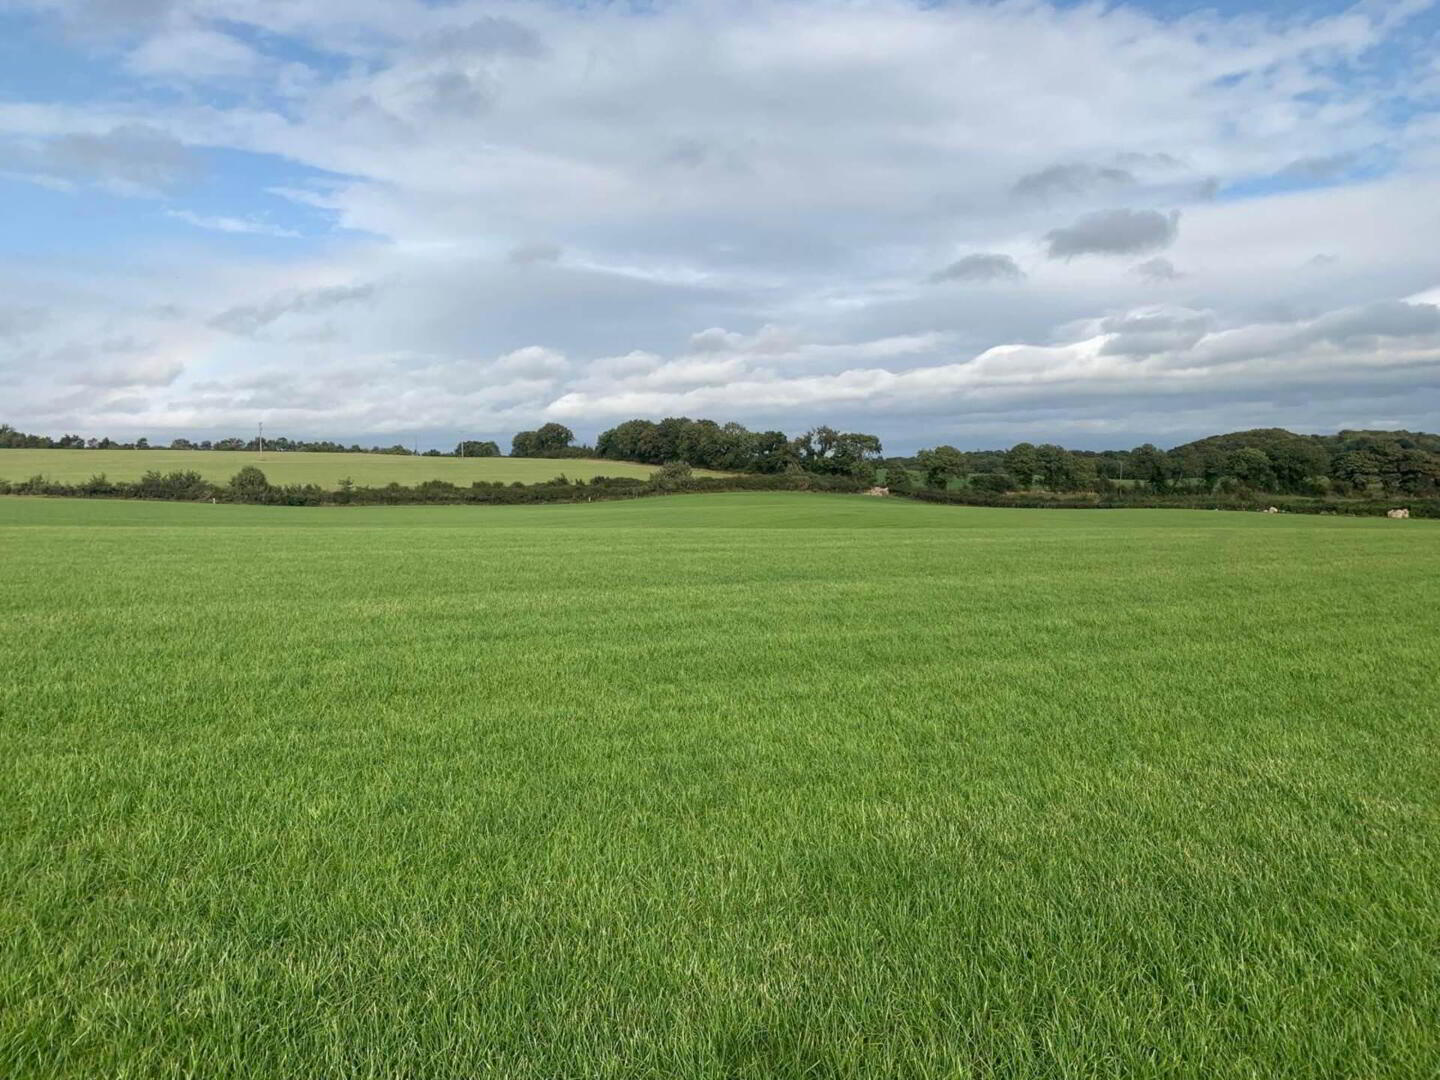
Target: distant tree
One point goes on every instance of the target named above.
(1357, 470)
(772, 452)
(825, 451)
(1251, 467)
(634, 440)
(897, 476)
(1152, 466)
(1413, 471)
(1112, 464)
(544, 441)
(249, 484)
(1297, 462)
(1209, 466)
(1059, 469)
(476, 448)
(181, 444)
(1022, 463)
(142, 443)
(941, 465)
(1083, 475)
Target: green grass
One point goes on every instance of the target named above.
(371, 470)
(729, 786)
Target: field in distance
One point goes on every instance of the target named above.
(368, 470)
(717, 787)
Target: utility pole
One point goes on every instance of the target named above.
(262, 440)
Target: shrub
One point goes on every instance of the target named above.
(249, 485)
(993, 483)
(672, 476)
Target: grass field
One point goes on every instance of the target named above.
(370, 470)
(726, 786)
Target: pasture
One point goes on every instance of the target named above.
(369, 470)
(723, 786)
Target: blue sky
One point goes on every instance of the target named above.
(965, 223)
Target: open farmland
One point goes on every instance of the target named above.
(369, 470)
(715, 787)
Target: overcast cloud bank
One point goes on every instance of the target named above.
(372, 219)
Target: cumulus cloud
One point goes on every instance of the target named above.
(533, 362)
(981, 266)
(1114, 232)
(1154, 352)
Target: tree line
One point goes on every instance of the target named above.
(708, 444)
(11, 439)
(1348, 463)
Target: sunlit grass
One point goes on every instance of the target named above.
(717, 786)
(327, 470)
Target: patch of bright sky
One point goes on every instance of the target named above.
(238, 179)
(37, 64)
(36, 219)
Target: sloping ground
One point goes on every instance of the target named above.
(373, 470)
(734, 786)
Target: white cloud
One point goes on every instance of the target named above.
(196, 53)
(751, 202)
(220, 223)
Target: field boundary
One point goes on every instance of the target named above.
(250, 487)
(255, 490)
(1287, 504)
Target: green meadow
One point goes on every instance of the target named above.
(368, 470)
(721, 786)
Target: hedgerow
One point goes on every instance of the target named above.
(250, 486)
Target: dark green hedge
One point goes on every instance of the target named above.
(1420, 508)
(190, 487)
